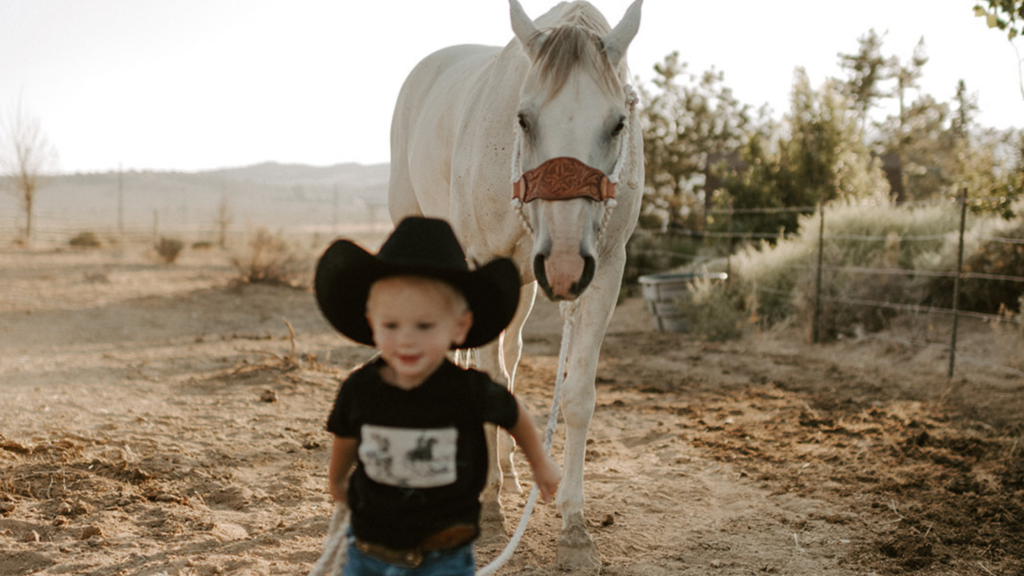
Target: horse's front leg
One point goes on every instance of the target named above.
(499, 359)
(575, 546)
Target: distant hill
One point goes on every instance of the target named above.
(272, 195)
(346, 176)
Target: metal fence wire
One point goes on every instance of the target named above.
(818, 268)
(59, 227)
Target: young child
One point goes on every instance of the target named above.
(410, 421)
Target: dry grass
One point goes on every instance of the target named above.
(270, 260)
(168, 249)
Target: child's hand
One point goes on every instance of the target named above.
(547, 475)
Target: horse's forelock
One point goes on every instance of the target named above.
(575, 41)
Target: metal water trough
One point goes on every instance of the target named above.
(662, 293)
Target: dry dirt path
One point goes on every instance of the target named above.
(156, 421)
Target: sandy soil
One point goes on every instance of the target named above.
(156, 420)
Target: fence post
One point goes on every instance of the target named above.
(728, 247)
(962, 200)
(817, 284)
(334, 212)
(120, 203)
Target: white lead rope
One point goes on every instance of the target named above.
(568, 310)
(332, 560)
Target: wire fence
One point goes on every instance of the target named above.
(56, 227)
(59, 228)
(818, 268)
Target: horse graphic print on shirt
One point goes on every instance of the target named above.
(409, 457)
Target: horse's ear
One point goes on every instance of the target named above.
(617, 41)
(527, 32)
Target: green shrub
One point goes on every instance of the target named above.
(765, 277)
(711, 313)
(86, 240)
(986, 251)
(270, 261)
(169, 249)
(778, 282)
(871, 254)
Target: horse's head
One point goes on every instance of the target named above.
(573, 116)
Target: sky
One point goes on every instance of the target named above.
(193, 85)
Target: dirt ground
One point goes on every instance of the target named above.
(155, 420)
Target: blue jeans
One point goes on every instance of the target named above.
(455, 562)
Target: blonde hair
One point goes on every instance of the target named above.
(453, 296)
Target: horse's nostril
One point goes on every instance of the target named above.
(541, 274)
(589, 265)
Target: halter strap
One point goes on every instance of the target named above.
(604, 191)
(561, 179)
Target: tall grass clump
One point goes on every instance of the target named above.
(168, 249)
(85, 240)
(882, 237)
(766, 275)
(781, 281)
(712, 312)
(270, 260)
(992, 245)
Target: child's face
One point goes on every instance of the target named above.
(415, 321)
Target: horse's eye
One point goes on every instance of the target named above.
(524, 123)
(619, 128)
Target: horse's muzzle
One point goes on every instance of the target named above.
(563, 290)
(563, 178)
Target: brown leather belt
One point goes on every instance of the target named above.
(447, 539)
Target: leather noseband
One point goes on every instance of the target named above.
(562, 179)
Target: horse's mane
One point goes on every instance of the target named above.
(574, 39)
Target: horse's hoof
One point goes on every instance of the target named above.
(492, 523)
(576, 548)
(573, 558)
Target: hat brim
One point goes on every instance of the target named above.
(346, 272)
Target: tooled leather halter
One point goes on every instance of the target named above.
(561, 179)
(564, 178)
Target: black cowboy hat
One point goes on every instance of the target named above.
(418, 247)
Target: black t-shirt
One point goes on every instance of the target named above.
(422, 452)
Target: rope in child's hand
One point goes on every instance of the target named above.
(568, 310)
(332, 560)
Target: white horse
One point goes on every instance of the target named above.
(554, 111)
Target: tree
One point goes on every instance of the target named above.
(690, 123)
(906, 76)
(825, 156)
(25, 156)
(867, 69)
(818, 154)
(966, 110)
(1007, 15)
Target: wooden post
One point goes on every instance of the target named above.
(334, 212)
(120, 203)
(729, 246)
(962, 200)
(815, 330)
